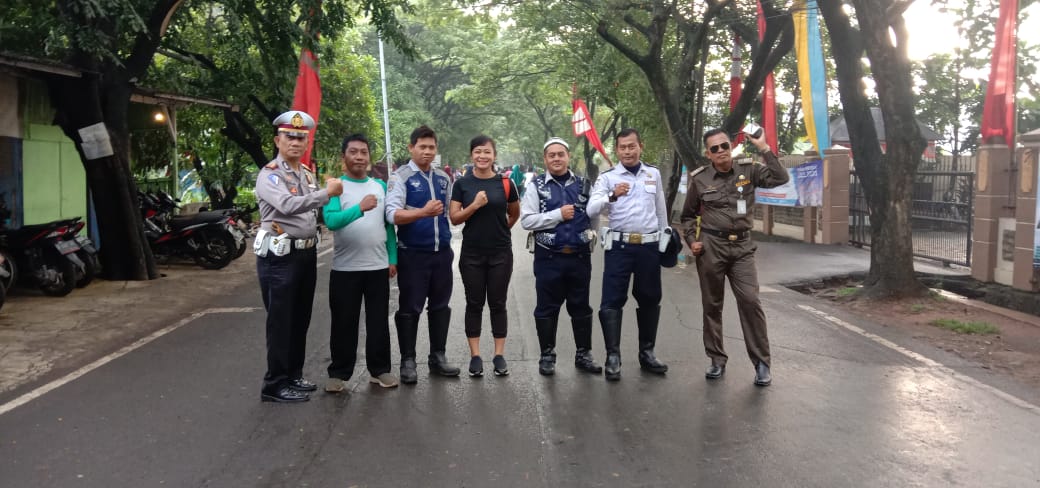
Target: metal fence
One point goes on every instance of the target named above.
(940, 215)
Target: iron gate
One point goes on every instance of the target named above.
(940, 215)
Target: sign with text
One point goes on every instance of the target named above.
(803, 189)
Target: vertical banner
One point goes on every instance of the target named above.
(307, 97)
(768, 92)
(812, 76)
(998, 113)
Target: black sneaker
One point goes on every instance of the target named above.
(501, 369)
(300, 384)
(476, 367)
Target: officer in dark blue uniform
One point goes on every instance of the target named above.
(554, 208)
(286, 246)
(416, 200)
(632, 196)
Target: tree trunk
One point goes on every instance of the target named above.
(887, 179)
(81, 102)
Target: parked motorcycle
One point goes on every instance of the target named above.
(42, 256)
(203, 238)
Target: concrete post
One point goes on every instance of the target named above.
(1025, 276)
(836, 196)
(993, 201)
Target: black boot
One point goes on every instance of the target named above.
(439, 323)
(610, 319)
(647, 318)
(546, 328)
(583, 345)
(407, 328)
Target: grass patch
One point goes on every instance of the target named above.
(847, 291)
(917, 308)
(980, 328)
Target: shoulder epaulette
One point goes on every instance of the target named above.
(698, 170)
(272, 165)
(746, 161)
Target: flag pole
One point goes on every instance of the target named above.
(386, 110)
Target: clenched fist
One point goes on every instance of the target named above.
(697, 248)
(481, 199)
(620, 190)
(334, 187)
(567, 212)
(433, 208)
(368, 203)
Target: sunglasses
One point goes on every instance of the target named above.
(719, 147)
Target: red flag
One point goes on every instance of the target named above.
(998, 113)
(307, 97)
(768, 92)
(582, 122)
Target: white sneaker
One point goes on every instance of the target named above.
(386, 380)
(335, 385)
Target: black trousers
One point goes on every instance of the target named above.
(486, 279)
(287, 287)
(559, 277)
(638, 264)
(424, 277)
(346, 291)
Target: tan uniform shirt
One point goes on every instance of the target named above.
(714, 196)
(289, 198)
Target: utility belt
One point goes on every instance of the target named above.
(583, 249)
(728, 235)
(610, 236)
(281, 245)
(547, 240)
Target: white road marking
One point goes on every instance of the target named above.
(43, 390)
(934, 365)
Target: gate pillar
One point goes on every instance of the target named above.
(993, 201)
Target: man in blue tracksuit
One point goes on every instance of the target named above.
(417, 201)
(554, 209)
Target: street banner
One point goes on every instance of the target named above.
(803, 189)
(307, 97)
(768, 92)
(812, 76)
(582, 122)
(998, 113)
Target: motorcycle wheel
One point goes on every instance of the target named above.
(3, 296)
(66, 279)
(89, 268)
(216, 250)
(12, 271)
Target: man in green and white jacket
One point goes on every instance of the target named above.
(364, 261)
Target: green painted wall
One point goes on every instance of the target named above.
(54, 183)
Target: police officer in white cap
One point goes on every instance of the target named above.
(286, 246)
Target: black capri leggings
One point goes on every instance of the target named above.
(486, 279)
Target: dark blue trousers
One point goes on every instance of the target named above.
(639, 264)
(423, 275)
(559, 277)
(287, 287)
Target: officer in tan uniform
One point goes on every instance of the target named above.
(723, 196)
(286, 246)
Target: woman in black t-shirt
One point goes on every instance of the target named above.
(489, 204)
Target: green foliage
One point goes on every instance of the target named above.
(979, 328)
(847, 291)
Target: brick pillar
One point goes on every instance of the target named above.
(992, 202)
(1025, 276)
(836, 196)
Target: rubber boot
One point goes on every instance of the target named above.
(440, 320)
(407, 328)
(583, 345)
(647, 318)
(610, 320)
(546, 328)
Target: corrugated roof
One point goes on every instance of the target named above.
(840, 131)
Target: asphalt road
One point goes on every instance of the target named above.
(851, 405)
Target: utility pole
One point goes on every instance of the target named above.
(386, 111)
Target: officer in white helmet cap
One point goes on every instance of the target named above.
(288, 195)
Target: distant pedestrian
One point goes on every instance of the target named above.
(632, 197)
(518, 178)
(364, 260)
(723, 196)
(489, 205)
(288, 196)
(554, 210)
(417, 201)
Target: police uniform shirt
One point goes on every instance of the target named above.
(713, 195)
(641, 210)
(289, 198)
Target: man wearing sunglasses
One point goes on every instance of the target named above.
(723, 196)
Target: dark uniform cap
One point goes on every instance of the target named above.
(670, 256)
(294, 121)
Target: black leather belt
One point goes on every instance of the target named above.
(565, 249)
(728, 235)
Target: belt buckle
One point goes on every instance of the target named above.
(567, 250)
(732, 237)
(635, 238)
